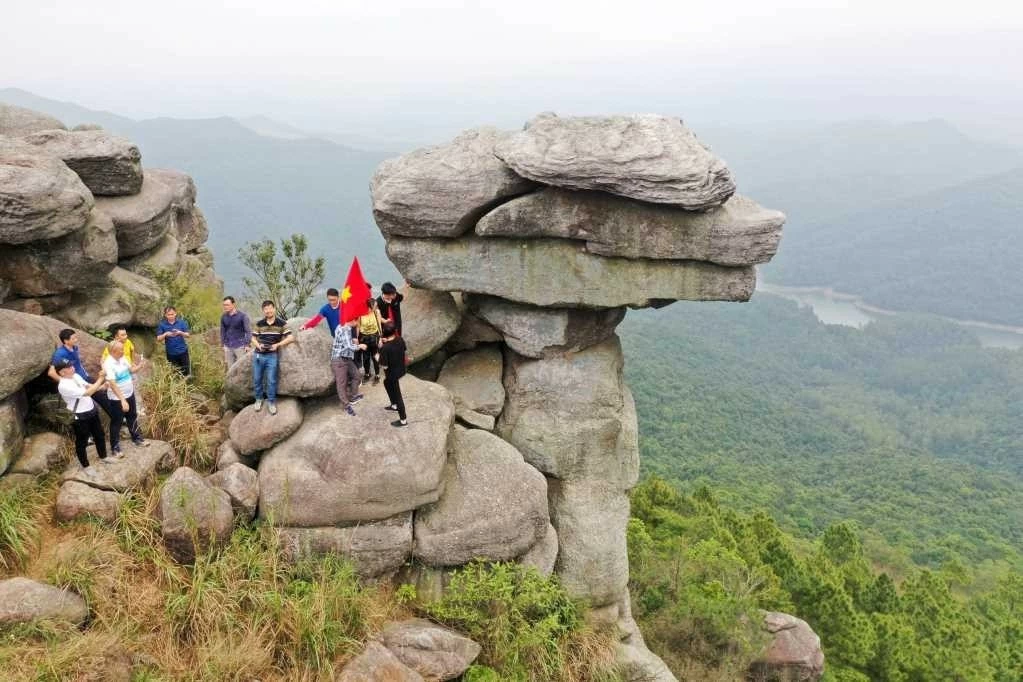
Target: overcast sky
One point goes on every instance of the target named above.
(397, 66)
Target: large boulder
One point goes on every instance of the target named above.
(106, 163)
(303, 367)
(636, 663)
(142, 220)
(79, 260)
(136, 470)
(433, 651)
(376, 548)
(241, 483)
(429, 318)
(543, 555)
(76, 500)
(647, 157)
(740, 232)
(546, 332)
(441, 191)
(377, 664)
(39, 305)
(559, 273)
(194, 515)
(192, 228)
(794, 653)
(181, 186)
(252, 431)
(472, 331)
(167, 256)
(41, 453)
(474, 379)
(27, 601)
(493, 505)
(338, 469)
(17, 121)
(40, 197)
(125, 298)
(25, 349)
(12, 428)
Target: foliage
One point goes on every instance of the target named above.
(20, 510)
(288, 279)
(197, 301)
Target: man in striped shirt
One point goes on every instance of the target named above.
(268, 336)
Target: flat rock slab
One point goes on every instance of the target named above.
(17, 121)
(376, 548)
(137, 470)
(377, 664)
(40, 197)
(27, 601)
(241, 483)
(474, 379)
(440, 191)
(143, 219)
(25, 349)
(433, 651)
(194, 515)
(562, 274)
(646, 157)
(79, 500)
(252, 431)
(41, 453)
(740, 232)
(337, 469)
(303, 367)
(493, 505)
(106, 163)
(429, 319)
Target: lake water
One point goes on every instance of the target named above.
(836, 308)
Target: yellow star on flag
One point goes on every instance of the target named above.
(346, 294)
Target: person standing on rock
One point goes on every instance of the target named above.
(392, 359)
(331, 312)
(235, 332)
(173, 331)
(389, 304)
(68, 352)
(121, 334)
(77, 394)
(121, 394)
(369, 334)
(268, 337)
(342, 361)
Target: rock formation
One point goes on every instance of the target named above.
(794, 653)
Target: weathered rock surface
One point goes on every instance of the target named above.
(40, 197)
(166, 256)
(493, 505)
(303, 369)
(544, 554)
(77, 500)
(227, 454)
(40, 305)
(377, 664)
(441, 191)
(474, 419)
(41, 453)
(740, 232)
(330, 473)
(559, 273)
(794, 652)
(376, 548)
(639, 664)
(474, 379)
(472, 332)
(194, 515)
(252, 431)
(181, 186)
(106, 163)
(12, 428)
(125, 298)
(434, 652)
(27, 601)
(25, 349)
(192, 228)
(18, 121)
(138, 468)
(141, 220)
(241, 483)
(646, 157)
(546, 332)
(429, 318)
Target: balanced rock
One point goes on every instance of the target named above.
(429, 318)
(441, 191)
(12, 428)
(136, 470)
(106, 163)
(740, 232)
(252, 431)
(544, 554)
(76, 500)
(794, 652)
(330, 473)
(493, 505)
(377, 664)
(474, 379)
(125, 298)
(194, 515)
(41, 453)
(27, 601)
(143, 219)
(376, 548)
(433, 651)
(546, 332)
(40, 197)
(18, 121)
(25, 349)
(303, 367)
(241, 484)
(559, 273)
(646, 157)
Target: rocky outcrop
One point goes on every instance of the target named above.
(124, 298)
(25, 349)
(18, 121)
(136, 470)
(434, 652)
(794, 653)
(195, 516)
(143, 219)
(27, 601)
(107, 164)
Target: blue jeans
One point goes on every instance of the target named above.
(264, 364)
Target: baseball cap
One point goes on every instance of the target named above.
(63, 364)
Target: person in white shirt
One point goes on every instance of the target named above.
(77, 393)
(121, 393)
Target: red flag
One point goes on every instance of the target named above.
(355, 294)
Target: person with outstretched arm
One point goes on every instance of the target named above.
(77, 394)
(68, 351)
(121, 393)
(331, 312)
(392, 359)
(173, 331)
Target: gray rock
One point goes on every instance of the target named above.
(77, 500)
(80, 260)
(181, 185)
(740, 232)
(141, 220)
(572, 417)
(106, 163)
(474, 379)
(377, 664)
(18, 121)
(429, 318)
(40, 197)
(544, 554)
(25, 350)
(241, 483)
(473, 419)
(376, 548)
(27, 601)
(192, 229)
(41, 453)
(794, 652)
(546, 332)
(167, 256)
(471, 332)
(560, 273)
(590, 518)
(137, 470)
(493, 505)
(330, 473)
(303, 367)
(441, 191)
(227, 455)
(12, 429)
(126, 298)
(638, 664)
(434, 652)
(40, 305)
(194, 515)
(429, 368)
(252, 431)
(646, 157)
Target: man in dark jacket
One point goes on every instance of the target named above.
(389, 305)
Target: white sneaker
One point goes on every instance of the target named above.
(89, 472)
(258, 405)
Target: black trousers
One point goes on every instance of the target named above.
(372, 342)
(118, 417)
(87, 424)
(182, 362)
(394, 393)
(100, 398)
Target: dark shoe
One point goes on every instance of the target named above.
(365, 377)
(140, 442)
(115, 450)
(376, 380)
(349, 410)
(391, 408)
(399, 422)
(358, 397)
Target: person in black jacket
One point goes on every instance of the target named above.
(392, 359)
(389, 305)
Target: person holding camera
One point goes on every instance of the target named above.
(77, 394)
(268, 336)
(173, 331)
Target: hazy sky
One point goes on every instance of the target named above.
(398, 66)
